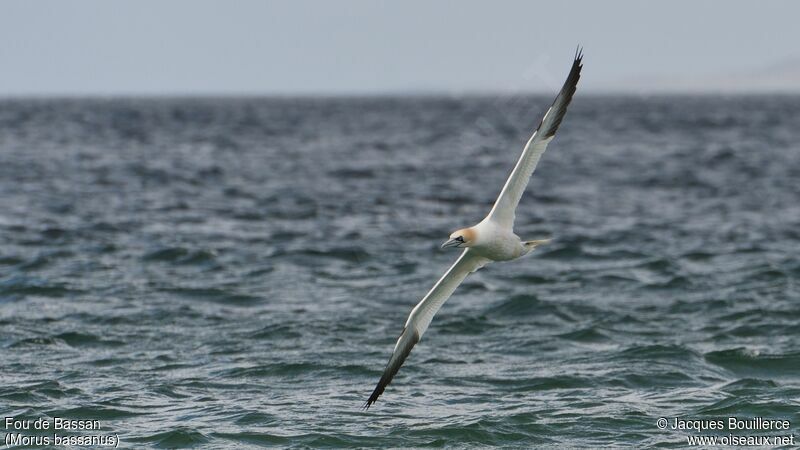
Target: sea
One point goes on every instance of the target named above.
(230, 273)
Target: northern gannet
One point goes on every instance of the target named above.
(492, 239)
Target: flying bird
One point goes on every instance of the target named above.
(492, 239)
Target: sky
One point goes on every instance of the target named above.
(365, 47)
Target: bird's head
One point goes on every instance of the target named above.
(461, 238)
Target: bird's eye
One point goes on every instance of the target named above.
(460, 239)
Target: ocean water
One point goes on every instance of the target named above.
(233, 273)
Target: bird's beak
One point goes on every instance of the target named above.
(451, 243)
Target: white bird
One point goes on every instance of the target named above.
(492, 239)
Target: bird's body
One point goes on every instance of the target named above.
(491, 240)
(496, 242)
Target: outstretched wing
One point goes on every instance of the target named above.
(503, 210)
(423, 313)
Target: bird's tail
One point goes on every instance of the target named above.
(530, 245)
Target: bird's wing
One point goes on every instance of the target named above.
(503, 210)
(423, 313)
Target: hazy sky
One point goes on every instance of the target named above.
(339, 47)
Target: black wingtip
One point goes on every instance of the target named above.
(407, 341)
(375, 394)
(563, 98)
(372, 399)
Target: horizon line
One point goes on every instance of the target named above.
(421, 93)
